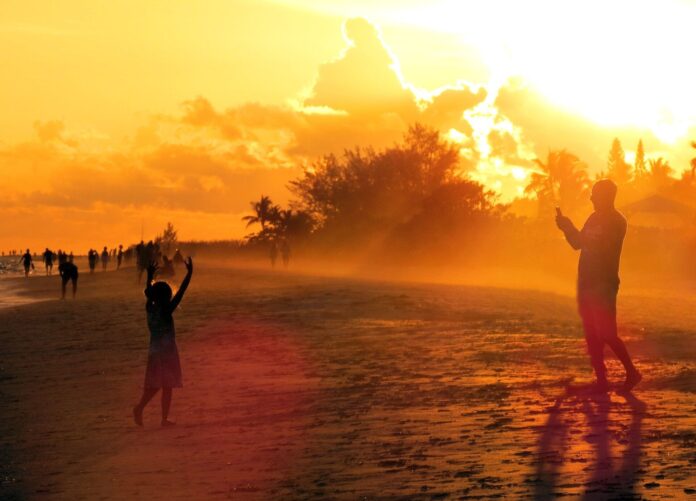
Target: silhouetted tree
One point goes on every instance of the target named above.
(617, 168)
(660, 173)
(369, 192)
(693, 162)
(293, 224)
(640, 169)
(264, 212)
(168, 239)
(561, 180)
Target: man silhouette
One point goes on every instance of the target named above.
(104, 258)
(68, 273)
(119, 257)
(599, 243)
(48, 260)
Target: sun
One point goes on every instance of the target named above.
(620, 63)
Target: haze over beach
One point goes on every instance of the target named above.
(412, 249)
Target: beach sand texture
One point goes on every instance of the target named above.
(298, 386)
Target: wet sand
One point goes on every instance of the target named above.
(301, 387)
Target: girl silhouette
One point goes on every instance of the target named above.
(163, 368)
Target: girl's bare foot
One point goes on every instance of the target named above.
(166, 422)
(138, 415)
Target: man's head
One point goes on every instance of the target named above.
(603, 194)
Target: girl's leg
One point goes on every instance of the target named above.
(148, 393)
(166, 404)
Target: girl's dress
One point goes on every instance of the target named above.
(163, 367)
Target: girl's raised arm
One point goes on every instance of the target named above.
(184, 285)
(151, 270)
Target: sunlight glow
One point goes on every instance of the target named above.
(617, 63)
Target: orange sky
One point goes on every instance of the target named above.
(124, 115)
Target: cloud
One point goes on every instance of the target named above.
(358, 99)
(214, 161)
(544, 126)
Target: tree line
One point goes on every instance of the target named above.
(415, 193)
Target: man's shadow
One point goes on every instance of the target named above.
(608, 476)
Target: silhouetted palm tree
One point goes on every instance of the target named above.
(264, 212)
(660, 173)
(561, 180)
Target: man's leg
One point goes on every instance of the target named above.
(74, 286)
(609, 332)
(595, 344)
(63, 283)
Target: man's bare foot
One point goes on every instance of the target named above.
(632, 379)
(166, 423)
(138, 416)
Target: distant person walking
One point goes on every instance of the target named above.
(600, 242)
(104, 258)
(48, 261)
(163, 367)
(68, 273)
(27, 261)
(178, 258)
(285, 253)
(92, 257)
(119, 257)
(141, 259)
(273, 253)
(71, 257)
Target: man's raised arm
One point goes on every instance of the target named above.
(572, 234)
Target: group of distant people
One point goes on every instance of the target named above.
(283, 249)
(93, 257)
(148, 253)
(66, 267)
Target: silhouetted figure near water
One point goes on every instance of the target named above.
(167, 267)
(285, 253)
(600, 242)
(273, 253)
(119, 257)
(92, 257)
(141, 260)
(163, 367)
(178, 258)
(71, 257)
(104, 258)
(27, 261)
(68, 273)
(48, 261)
(62, 258)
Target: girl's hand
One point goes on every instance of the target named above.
(189, 265)
(152, 268)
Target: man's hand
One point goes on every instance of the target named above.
(189, 265)
(563, 222)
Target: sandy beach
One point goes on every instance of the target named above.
(299, 386)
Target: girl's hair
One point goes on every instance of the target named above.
(161, 292)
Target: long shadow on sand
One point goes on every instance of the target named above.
(596, 420)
